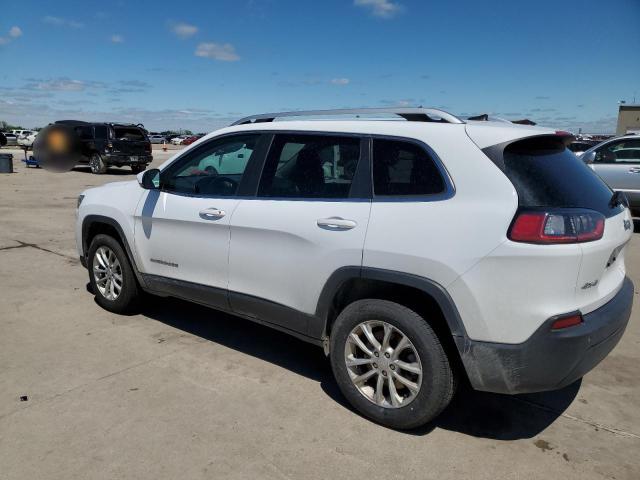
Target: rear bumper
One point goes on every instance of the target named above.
(548, 360)
(125, 159)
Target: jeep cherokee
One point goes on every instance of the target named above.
(414, 250)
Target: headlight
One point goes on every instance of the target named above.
(80, 198)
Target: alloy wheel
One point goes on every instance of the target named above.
(107, 273)
(383, 364)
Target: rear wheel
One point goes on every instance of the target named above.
(390, 364)
(111, 276)
(138, 168)
(97, 164)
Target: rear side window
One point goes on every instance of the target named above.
(310, 166)
(546, 174)
(100, 132)
(403, 168)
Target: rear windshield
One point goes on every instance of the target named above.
(129, 133)
(546, 174)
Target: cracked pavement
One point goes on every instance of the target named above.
(181, 391)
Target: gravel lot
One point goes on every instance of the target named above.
(185, 392)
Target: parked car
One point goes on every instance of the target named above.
(12, 139)
(179, 139)
(580, 146)
(27, 138)
(413, 252)
(111, 144)
(617, 161)
(157, 139)
(18, 133)
(191, 139)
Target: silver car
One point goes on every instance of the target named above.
(617, 161)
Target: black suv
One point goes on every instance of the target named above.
(111, 144)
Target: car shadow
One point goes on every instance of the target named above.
(479, 414)
(110, 170)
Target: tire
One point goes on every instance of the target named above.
(128, 294)
(136, 169)
(410, 408)
(97, 165)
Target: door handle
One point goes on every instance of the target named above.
(336, 223)
(634, 170)
(212, 213)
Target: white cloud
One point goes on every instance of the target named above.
(222, 52)
(62, 84)
(62, 22)
(340, 81)
(380, 8)
(184, 30)
(15, 32)
(117, 39)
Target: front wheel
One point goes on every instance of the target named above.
(97, 164)
(390, 364)
(111, 276)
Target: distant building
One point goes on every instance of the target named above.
(628, 119)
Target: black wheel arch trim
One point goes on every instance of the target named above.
(426, 285)
(90, 220)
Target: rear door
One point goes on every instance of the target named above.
(309, 219)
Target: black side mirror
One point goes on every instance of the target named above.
(150, 179)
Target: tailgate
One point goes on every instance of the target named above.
(129, 147)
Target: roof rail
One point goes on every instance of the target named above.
(413, 114)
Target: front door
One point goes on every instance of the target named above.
(308, 220)
(182, 230)
(618, 164)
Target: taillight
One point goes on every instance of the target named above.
(561, 226)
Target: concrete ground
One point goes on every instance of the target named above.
(181, 391)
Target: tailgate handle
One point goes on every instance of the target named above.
(634, 170)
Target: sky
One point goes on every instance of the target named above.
(202, 64)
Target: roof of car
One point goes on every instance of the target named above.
(81, 123)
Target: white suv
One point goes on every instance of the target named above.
(415, 252)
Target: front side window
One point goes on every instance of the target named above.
(310, 166)
(214, 169)
(623, 151)
(402, 168)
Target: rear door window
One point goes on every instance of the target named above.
(310, 166)
(403, 168)
(546, 174)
